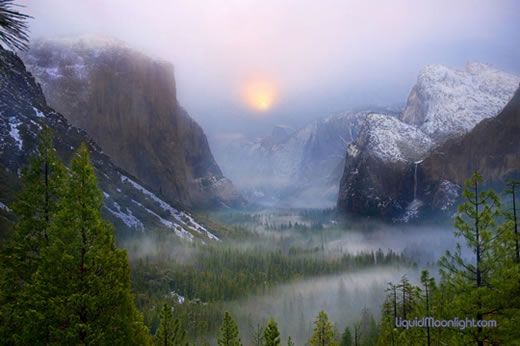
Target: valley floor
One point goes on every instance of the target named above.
(282, 264)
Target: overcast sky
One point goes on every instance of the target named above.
(316, 57)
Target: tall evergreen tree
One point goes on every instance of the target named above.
(42, 187)
(82, 291)
(368, 328)
(505, 282)
(170, 332)
(228, 335)
(290, 342)
(357, 334)
(428, 284)
(323, 333)
(271, 334)
(512, 215)
(407, 296)
(470, 280)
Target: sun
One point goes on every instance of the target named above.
(259, 94)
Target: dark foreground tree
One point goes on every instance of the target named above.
(36, 208)
(13, 26)
(512, 190)
(81, 293)
(476, 223)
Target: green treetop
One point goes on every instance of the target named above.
(228, 335)
(323, 334)
(271, 334)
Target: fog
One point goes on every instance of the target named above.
(320, 57)
(424, 244)
(295, 306)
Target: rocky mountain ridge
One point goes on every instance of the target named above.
(380, 177)
(127, 102)
(492, 148)
(128, 204)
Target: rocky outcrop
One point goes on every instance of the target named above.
(492, 148)
(384, 177)
(377, 180)
(127, 102)
(128, 204)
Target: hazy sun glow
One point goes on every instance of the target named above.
(259, 94)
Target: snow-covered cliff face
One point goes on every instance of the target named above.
(391, 140)
(377, 175)
(129, 205)
(380, 175)
(127, 102)
(446, 102)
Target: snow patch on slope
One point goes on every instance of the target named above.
(14, 132)
(184, 220)
(446, 102)
(179, 231)
(392, 140)
(126, 217)
(180, 299)
(4, 207)
(38, 112)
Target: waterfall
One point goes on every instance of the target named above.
(415, 181)
(413, 208)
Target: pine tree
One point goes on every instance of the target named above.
(506, 279)
(290, 342)
(512, 216)
(82, 290)
(169, 332)
(228, 335)
(323, 334)
(428, 284)
(346, 337)
(42, 184)
(476, 224)
(388, 332)
(368, 328)
(357, 334)
(271, 334)
(407, 296)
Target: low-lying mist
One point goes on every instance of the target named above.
(289, 229)
(295, 306)
(314, 234)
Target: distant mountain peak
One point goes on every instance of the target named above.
(447, 102)
(382, 169)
